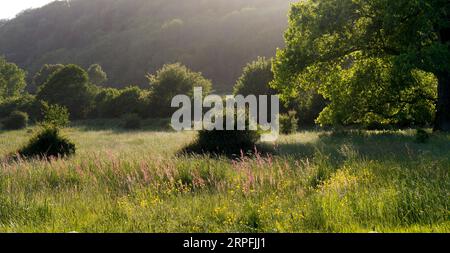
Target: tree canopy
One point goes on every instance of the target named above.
(377, 60)
(44, 73)
(171, 80)
(96, 74)
(12, 79)
(69, 87)
(255, 78)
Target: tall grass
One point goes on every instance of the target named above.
(316, 182)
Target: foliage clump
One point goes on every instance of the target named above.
(16, 120)
(227, 142)
(48, 143)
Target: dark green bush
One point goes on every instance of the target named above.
(289, 123)
(48, 143)
(132, 121)
(227, 142)
(422, 136)
(16, 120)
(224, 142)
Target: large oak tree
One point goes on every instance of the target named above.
(370, 57)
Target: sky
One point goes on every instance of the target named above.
(9, 8)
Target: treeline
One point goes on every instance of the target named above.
(130, 38)
(80, 91)
(83, 94)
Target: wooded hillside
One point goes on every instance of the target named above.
(130, 38)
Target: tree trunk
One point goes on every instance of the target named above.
(442, 122)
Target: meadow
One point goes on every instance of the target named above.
(316, 181)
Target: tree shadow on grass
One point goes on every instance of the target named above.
(334, 146)
(235, 153)
(373, 145)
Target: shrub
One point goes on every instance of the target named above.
(56, 115)
(16, 120)
(233, 142)
(422, 136)
(48, 143)
(132, 121)
(289, 123)
(227, 142)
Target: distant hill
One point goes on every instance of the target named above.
(130, 38)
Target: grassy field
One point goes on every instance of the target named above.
(316, 182)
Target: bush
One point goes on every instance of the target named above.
(289, 123)
(422, 136)
(16, 120)
(227, 142)
(132, 121)
(56, 115)
(48, 143)
(233, 142)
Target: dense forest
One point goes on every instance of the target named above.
(130, 38)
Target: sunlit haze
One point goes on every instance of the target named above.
(10, 8)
